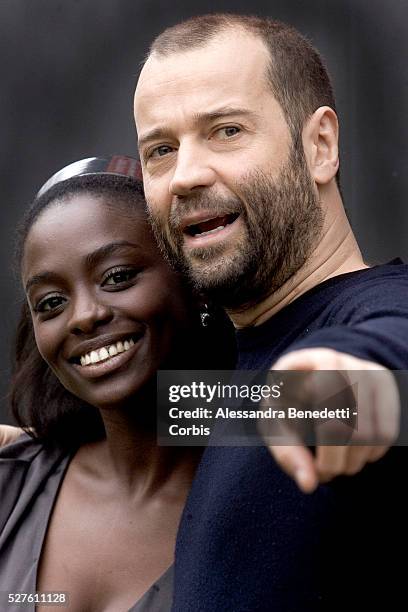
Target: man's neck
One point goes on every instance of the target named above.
(336, 253)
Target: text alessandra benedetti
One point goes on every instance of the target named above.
(267, 413)
(288, 413)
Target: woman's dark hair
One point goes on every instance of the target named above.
(124, 188)
(39, 402)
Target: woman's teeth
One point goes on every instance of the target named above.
(106, 352)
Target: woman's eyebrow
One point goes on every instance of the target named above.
(91, 260)
(37, 279)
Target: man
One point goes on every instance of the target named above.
(238, 139)
(301, 239)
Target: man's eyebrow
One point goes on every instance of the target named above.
(91, 260)
(198, 118)
(223, 112)
(155, 134)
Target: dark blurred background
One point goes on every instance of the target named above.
(67, 81)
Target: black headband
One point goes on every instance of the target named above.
(117, 164)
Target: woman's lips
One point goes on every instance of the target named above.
(110, 364)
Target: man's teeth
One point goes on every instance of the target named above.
(211, 231)
(106, 352)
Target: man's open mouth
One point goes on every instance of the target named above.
(211, 226)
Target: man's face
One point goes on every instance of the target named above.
(231, 200)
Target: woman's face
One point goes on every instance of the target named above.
(106, 308)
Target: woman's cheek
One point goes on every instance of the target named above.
(46, 341)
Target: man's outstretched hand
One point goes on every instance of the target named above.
(378, 419)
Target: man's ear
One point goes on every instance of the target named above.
(320, 141)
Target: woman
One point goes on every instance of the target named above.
(92, 504)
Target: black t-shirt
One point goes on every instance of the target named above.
(363, 313)
(249, 540)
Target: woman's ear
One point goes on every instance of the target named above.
(320, 141)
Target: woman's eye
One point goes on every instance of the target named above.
(118, 276)
(50, 303)
(228, 131)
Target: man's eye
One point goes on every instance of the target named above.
(160, 151)
(228, 131)
(118, 276)
(50, 303)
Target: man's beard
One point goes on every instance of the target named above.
(282, 221)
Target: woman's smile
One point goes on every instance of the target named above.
(110, 357)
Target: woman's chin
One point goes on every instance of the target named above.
(123, 394)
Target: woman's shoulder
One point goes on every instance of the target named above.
(9, 433)
(25, 448)
(18, 447)
(27, 468)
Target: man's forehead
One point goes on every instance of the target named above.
(229, 53)
(227, 72)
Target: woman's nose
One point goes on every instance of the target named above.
(88, 314)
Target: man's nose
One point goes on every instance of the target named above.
(88, 313)
(192, 171)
